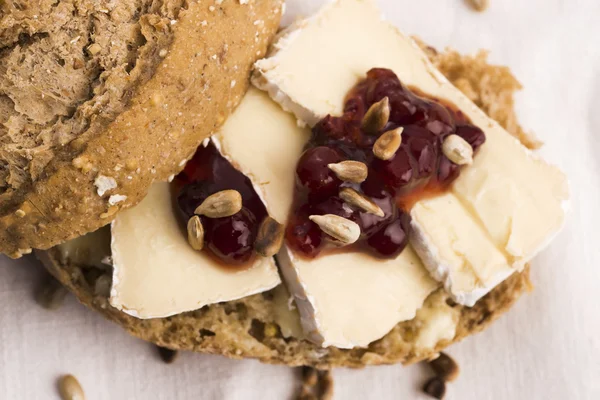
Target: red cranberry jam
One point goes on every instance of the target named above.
(230, 239)
(417, 169)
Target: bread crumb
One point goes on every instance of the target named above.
(105, 184)
(94, 49)
(116, 198)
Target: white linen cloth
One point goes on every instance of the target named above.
(547, 347)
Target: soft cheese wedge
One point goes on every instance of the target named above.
(509, 201)
(344, 300)
(156, 273)
(349, 300)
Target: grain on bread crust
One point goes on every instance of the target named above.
(247, 328)
(137, 108)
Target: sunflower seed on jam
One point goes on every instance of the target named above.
(358, 200)
(70, 388)
(339, 228)
(388, 144)
(377, 117)
(435, 387)
(221, 204)
(445, 367)
(195, 233)
(269, 237)
(350, 171)
(458, 150)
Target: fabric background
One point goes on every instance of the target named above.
(548, 347)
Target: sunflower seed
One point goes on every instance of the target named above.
(269, 238)
(388, 144)
(339, 228)
(479, 5)
(221, 204)
(350, 171)
(51, 294)
(458, 150)
(377, 116)
(435, 387)
(358, 200)
(445, 367)
(70, 388)
(167, 355)
(195, 233)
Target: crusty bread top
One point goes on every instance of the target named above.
(248, 327)
(80, 144)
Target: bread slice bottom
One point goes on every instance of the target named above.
(247, 328)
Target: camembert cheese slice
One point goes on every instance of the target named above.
(344, 300)
(513, 200)
(156, 273)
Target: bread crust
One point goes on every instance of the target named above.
(239, 329)
(200, 81)
(246, 328)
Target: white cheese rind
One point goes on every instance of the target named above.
(156, 273)
(515, 197)
(264, 143)
(351, 299)
(455, 249)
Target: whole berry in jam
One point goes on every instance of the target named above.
(391, 239)
(231, 239)
(304, 235)
(313, 176)
(397, 172)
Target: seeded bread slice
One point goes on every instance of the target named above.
(98, 99)
(247, 328)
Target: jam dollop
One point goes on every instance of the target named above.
(230, 239)
(417, 169)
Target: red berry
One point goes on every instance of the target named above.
(232, 238)
(313, 175)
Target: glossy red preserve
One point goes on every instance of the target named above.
(417, 169)
(230, 240)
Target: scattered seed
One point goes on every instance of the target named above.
(70, 388)
(388, 144)
(316, 385)
(458, 150)
(269, 238)
(195, 233)
(20, 213)
(377, 116)
(350, 171)
(167, 355)
(51, 294)
(358, 200)
(309, 376)
(341, 229)
(221, 204)
(479, 5)
(326, 386)
(445, 367)
(435, 387)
